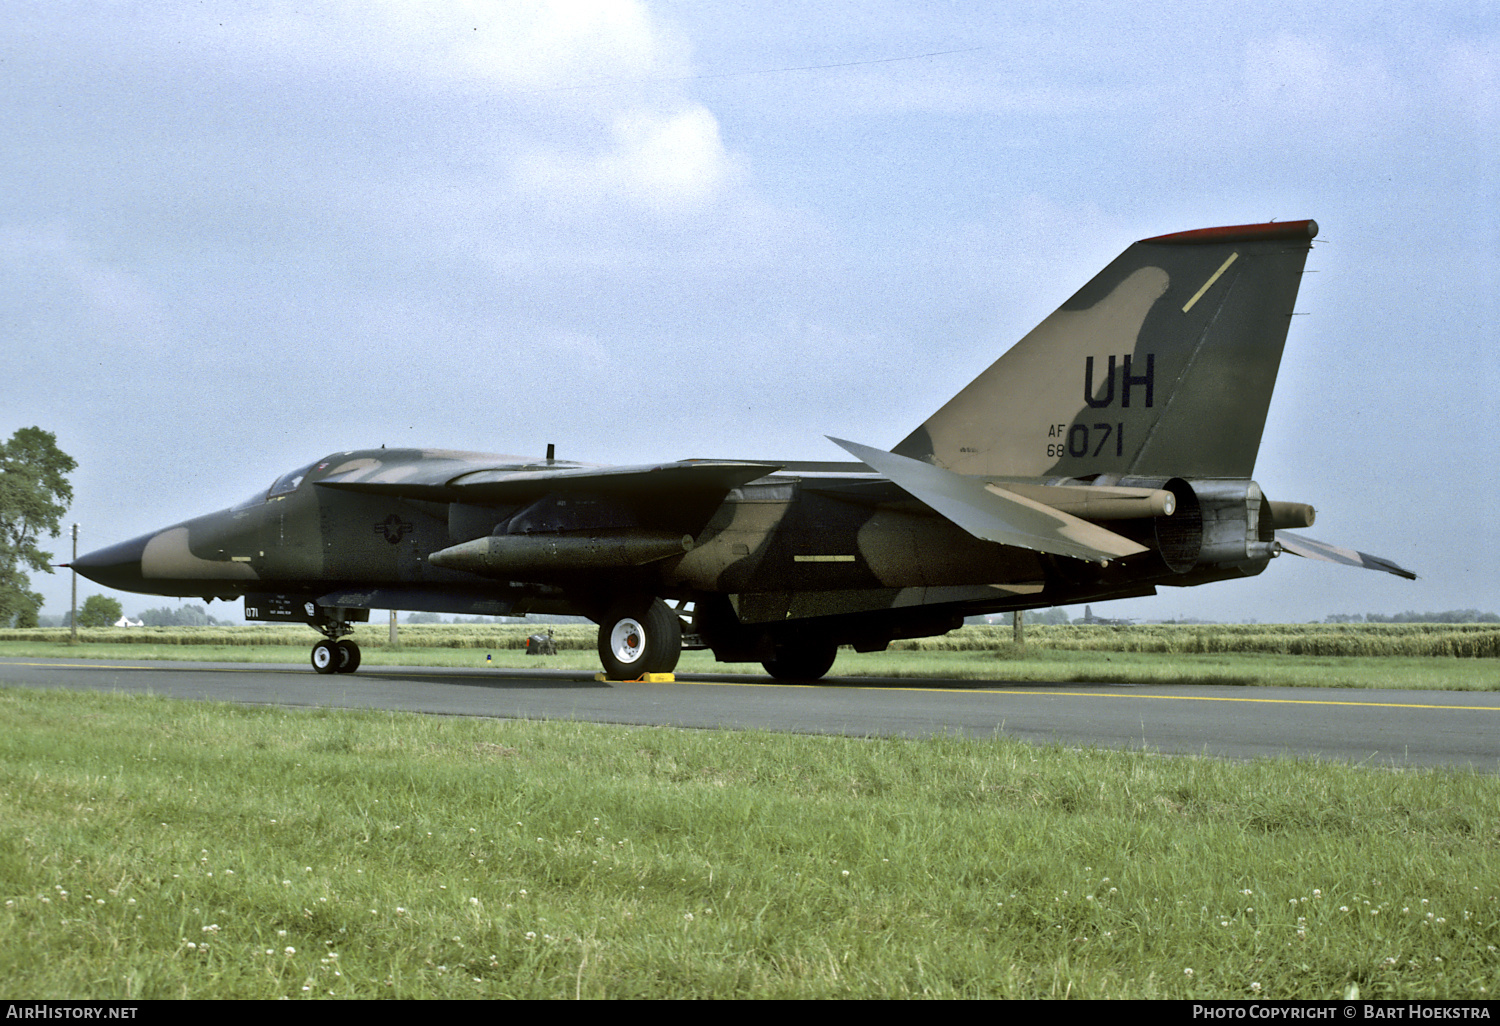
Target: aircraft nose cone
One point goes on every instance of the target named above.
(118, 566)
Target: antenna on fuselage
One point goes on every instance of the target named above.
(551, 450)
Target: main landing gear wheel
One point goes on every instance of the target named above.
(348, 657)
(634, 641)
(805, 660)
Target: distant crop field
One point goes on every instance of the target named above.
(1462, 641)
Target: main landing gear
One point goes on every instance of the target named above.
(802, 659)
(639, 637)
(333, 655)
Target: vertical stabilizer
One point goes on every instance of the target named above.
(1162, 365)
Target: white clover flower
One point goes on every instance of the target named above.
(291, 951)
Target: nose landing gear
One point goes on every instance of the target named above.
(332, 655)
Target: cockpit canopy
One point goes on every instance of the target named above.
(283, 485)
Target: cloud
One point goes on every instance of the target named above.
(516, 45)
(65, 281)
(582, 104)
(1469, 76)
(664, 162)
(1309, 79)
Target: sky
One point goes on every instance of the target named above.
(237, 237)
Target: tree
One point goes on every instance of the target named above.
(183, 616)
(99, 611)
(34, 495)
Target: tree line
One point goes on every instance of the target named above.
(1447, 616)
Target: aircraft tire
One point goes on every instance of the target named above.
(348, 657)
(634, 641)
(325, 657)
(807, 660)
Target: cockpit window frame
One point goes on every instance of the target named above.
(289, 482)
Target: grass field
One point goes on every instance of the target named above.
(153, 848)
(1408, 656)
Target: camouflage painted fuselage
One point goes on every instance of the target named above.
(841, 553)
(1107, 453)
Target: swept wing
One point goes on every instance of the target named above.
(991, 513)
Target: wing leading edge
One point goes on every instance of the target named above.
(518, 484)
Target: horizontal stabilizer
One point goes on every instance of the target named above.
(991, 513)
(1298, 545)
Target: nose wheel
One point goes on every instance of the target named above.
(325, 657)
(335, 653)
(335, 657)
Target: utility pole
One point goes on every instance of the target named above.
(73, 617)
(1018, 628)
(395, 643)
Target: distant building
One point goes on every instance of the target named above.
(126, 621)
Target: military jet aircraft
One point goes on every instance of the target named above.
(1107, 454)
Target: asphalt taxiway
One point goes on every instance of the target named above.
(1376, 728)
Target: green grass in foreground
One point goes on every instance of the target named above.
(155, 848)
